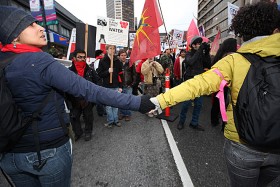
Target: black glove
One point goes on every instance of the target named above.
(146, 105)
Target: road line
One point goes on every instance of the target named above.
(183, 172)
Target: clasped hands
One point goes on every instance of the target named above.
(157, 109)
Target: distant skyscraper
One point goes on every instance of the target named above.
(121, 9)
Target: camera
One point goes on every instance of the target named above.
(205, 47)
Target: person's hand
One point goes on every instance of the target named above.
(120, 90)
(146, 105)
(111, 70)
(157, 110)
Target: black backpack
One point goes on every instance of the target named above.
(257, 111)
(12, 122)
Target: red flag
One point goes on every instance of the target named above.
(147, 39)
(215, 44)
(192, 31)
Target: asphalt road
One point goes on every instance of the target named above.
(138, 153)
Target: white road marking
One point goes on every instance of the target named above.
(183, 172)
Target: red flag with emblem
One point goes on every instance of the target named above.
(147, 40)
(215, 44)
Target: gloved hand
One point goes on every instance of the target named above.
(146, 105)
(157, 110)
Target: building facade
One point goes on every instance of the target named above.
(121, 9)
(59, 34)
(213, 15)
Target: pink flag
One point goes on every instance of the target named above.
(215, 44)
(192, 31)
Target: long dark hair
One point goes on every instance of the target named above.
(228, 46)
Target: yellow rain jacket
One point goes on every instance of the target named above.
(234, 68)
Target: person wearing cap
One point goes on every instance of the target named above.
(247, 165)
(197, 59)
(32, 75)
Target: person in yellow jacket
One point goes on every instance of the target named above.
(259, 26)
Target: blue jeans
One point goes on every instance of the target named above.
(127, 90)
(112, 113)
(249, 167)
(55, 173)
(196, 111)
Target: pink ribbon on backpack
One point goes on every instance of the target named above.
(220, 95)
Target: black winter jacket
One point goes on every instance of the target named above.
(195, 62)
(103, 72)
(90, 75)
(129, 75)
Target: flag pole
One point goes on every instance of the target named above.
(111, 66)
(45, 24)
(86, 38)
(164, 23)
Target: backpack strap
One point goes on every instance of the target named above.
(255, 59)
(220, 95)
(35, 119)
(7, 178)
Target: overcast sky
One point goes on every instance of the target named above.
(177, 14)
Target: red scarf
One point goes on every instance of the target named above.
(80, 66)
(20, 48)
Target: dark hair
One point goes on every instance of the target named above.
(229, 45)
(258, 19)
(121, 51)
(78, 51)
(98, 53)
(183, 50)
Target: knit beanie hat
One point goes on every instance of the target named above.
(12, 22)
(195, 40)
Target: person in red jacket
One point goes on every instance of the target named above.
(140, 76)
(179, 67)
